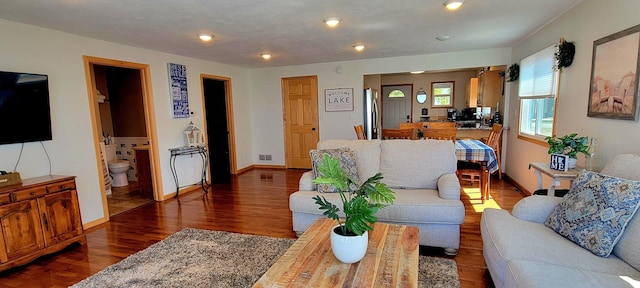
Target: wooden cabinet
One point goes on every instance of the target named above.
(38, 217)
(472, 92)
(143, 168)
(489, 88)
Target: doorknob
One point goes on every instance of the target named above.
(313, 129)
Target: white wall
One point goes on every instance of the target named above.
(37, 50)
(588, 21)
(266, 96)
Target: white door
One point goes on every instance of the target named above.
(396, 105)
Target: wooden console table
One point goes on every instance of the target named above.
(391, 260)
(556, 175)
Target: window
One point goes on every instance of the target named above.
(537, 93)
(396, 94)
(442, 94)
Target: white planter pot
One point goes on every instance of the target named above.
(349, 249)
(572, 163)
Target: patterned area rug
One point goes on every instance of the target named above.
(204, 258)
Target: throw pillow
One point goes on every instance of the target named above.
(347, 162)
(596, 211)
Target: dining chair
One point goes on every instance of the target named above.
(360, 132)
(390, 133)
(415, 126)
(440, 133)
(472, 172)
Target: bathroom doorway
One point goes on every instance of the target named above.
(121, 98)
(218, 106)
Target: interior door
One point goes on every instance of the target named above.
(300, 101)
(396, 106)
(217, 130)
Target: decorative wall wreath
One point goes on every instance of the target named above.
(564, 54)
(513, 72)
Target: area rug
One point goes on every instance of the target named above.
(203, 258)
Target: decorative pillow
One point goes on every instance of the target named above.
(347, 162)
(596, 211)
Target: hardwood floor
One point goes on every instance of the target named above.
(126, 198)
(256, 202)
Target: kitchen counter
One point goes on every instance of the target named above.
(473, 132)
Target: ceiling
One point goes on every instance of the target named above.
(293, 31)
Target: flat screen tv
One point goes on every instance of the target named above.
(25, 115)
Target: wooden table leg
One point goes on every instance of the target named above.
(484, 183)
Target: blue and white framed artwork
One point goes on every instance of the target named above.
(179, 95)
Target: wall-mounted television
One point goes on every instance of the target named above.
(25, 115)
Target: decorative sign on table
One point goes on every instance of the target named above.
(179, 96)
(338, 99)
(559, 162)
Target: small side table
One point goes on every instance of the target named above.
(200, 150)
(556, 176)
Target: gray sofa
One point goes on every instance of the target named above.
(520, 251)
(420, 172)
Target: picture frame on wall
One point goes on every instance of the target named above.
(338, 99)
(613, 90)
(178, 90)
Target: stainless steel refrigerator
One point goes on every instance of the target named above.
(371, 113)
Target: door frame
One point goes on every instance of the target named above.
(228, 95)
(150, 123)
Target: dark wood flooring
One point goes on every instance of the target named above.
(256, 202)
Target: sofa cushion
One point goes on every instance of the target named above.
(347, 162)
(627, 166)
(411, 206)
(416, 164)
(596, 211)
(367, 154)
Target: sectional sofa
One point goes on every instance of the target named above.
(420, 172)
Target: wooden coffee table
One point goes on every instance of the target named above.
(391, 260)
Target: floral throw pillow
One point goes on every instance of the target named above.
(596, 211)
(347, 160)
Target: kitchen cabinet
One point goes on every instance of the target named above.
(489, 88)
(472, 92)
(38, 217)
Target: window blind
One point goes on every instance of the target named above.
(537, 74)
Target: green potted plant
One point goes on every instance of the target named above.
(569, 145)
(359, 205)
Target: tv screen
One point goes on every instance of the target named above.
(25, 115)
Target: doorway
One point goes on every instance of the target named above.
(120, 96)
(396, 105)
(301, 133)
(218, 113)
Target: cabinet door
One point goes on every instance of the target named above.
(490, 84)
(60, 216)
(21, 230)
(472, 92)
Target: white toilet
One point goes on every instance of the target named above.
(117, 168)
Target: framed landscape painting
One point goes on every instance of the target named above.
(614, 76)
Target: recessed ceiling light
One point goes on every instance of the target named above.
(443, 38)
(265, 56)
(205, 37)
(332, 21)
(453, 4)
(417, 72)
(358, 47)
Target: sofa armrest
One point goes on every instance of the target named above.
(449, 186)
(535, 208)
(305, 183)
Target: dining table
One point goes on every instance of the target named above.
(472, 150)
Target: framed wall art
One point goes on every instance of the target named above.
(338, 99)
(179, 95)
(614, 76)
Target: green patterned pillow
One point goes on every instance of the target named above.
(596, 211)
(347, 160)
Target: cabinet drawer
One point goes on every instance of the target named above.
(5, 198)
(29, 193)
(61, 186)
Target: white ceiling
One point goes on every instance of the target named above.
(293, 30)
